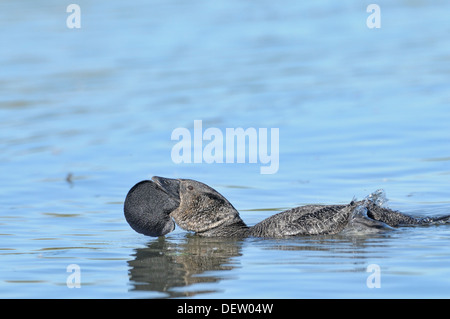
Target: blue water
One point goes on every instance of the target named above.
(86, 113)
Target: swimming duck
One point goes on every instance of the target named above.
(151, 207)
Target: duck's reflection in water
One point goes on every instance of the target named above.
(173, 265)
(167, 265)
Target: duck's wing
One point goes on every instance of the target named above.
(305, 220)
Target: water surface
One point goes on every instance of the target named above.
(87, 113)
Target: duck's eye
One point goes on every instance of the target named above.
(190, 187)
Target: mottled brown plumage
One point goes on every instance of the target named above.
(199, 208)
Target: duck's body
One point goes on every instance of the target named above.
(304, 220)
(151, 205)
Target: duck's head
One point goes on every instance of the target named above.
(193, 205)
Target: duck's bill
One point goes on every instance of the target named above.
(169, 185)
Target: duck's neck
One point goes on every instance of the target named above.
(236, 229)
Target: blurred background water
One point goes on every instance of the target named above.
(87, 113)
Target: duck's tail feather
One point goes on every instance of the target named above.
(376, 207)
(435, 220)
